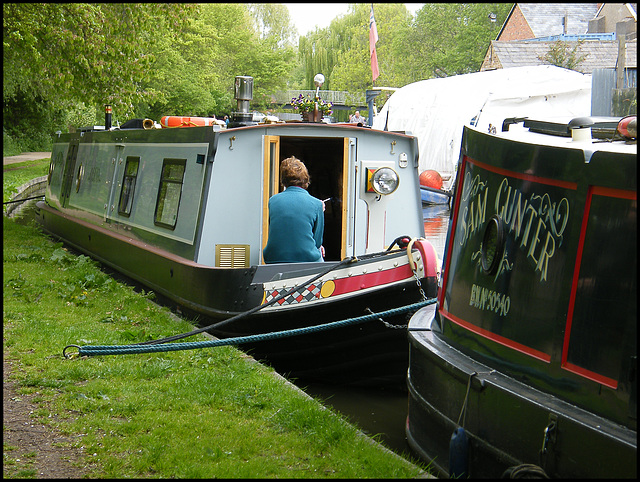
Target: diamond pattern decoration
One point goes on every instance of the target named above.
(309, 293)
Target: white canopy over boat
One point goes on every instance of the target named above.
(435, 110)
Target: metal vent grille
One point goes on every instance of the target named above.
(232, 255)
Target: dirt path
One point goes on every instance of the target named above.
(25, 156)
(32, 449)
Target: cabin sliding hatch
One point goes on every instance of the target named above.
(327, 159)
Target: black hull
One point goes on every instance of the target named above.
(366, 354)
(503, 412)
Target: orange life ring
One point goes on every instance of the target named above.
(178, 121)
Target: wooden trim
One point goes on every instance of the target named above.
(345, 196)
(271, 182)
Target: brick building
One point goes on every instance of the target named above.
(535, 20)
(591, 31)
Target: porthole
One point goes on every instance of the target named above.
(79, 177)
(493, 243)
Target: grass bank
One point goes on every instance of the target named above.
(190, 414)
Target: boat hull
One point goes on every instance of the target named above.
(505, 420)
(368, 354)
(184, 212)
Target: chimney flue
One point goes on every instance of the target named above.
(107, 117)
(244, 92)
(243, 95)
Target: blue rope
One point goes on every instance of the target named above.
(94, 350)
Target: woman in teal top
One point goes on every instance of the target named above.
(296, 219)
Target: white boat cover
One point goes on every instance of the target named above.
(435, 110)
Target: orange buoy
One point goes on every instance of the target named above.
(431, 178)
(178, 121)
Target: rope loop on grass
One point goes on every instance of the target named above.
(64, 352)
(94, 350)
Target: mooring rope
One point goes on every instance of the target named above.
(255, 309)
(23, 200)
(95, 350)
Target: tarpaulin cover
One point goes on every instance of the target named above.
(435, 110)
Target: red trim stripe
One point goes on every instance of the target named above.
(370, 280)
(497, 338)
(592, 191)
(452, 228)
(611, 192)
(596, 377)
(525, 177)
(576, 276)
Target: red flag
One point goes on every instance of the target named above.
(373, 38)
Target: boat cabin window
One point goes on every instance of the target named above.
(169, 192)
(128, 185)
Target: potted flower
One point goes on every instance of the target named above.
(307, 105)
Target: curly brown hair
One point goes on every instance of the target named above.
(293, 172)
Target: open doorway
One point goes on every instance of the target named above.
(325, 160)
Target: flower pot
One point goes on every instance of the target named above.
(310, 117)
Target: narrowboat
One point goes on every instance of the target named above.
(183, 211)
(527, 364)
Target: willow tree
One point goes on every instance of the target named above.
(353, 71)
(341, 51)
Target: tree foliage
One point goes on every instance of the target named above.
(341, 51)
(194, 71)
(452, 38)
(564, 54)
(272, 21)
(63, 61)
(97, 53)
(443, 39)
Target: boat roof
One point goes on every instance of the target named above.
(293, 125)
(331, 128)
(556, 132)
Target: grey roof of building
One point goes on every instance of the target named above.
(600, 54)
(546, 18)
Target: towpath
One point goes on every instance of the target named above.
(25, 156)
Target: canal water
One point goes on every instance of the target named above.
(381, 413)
